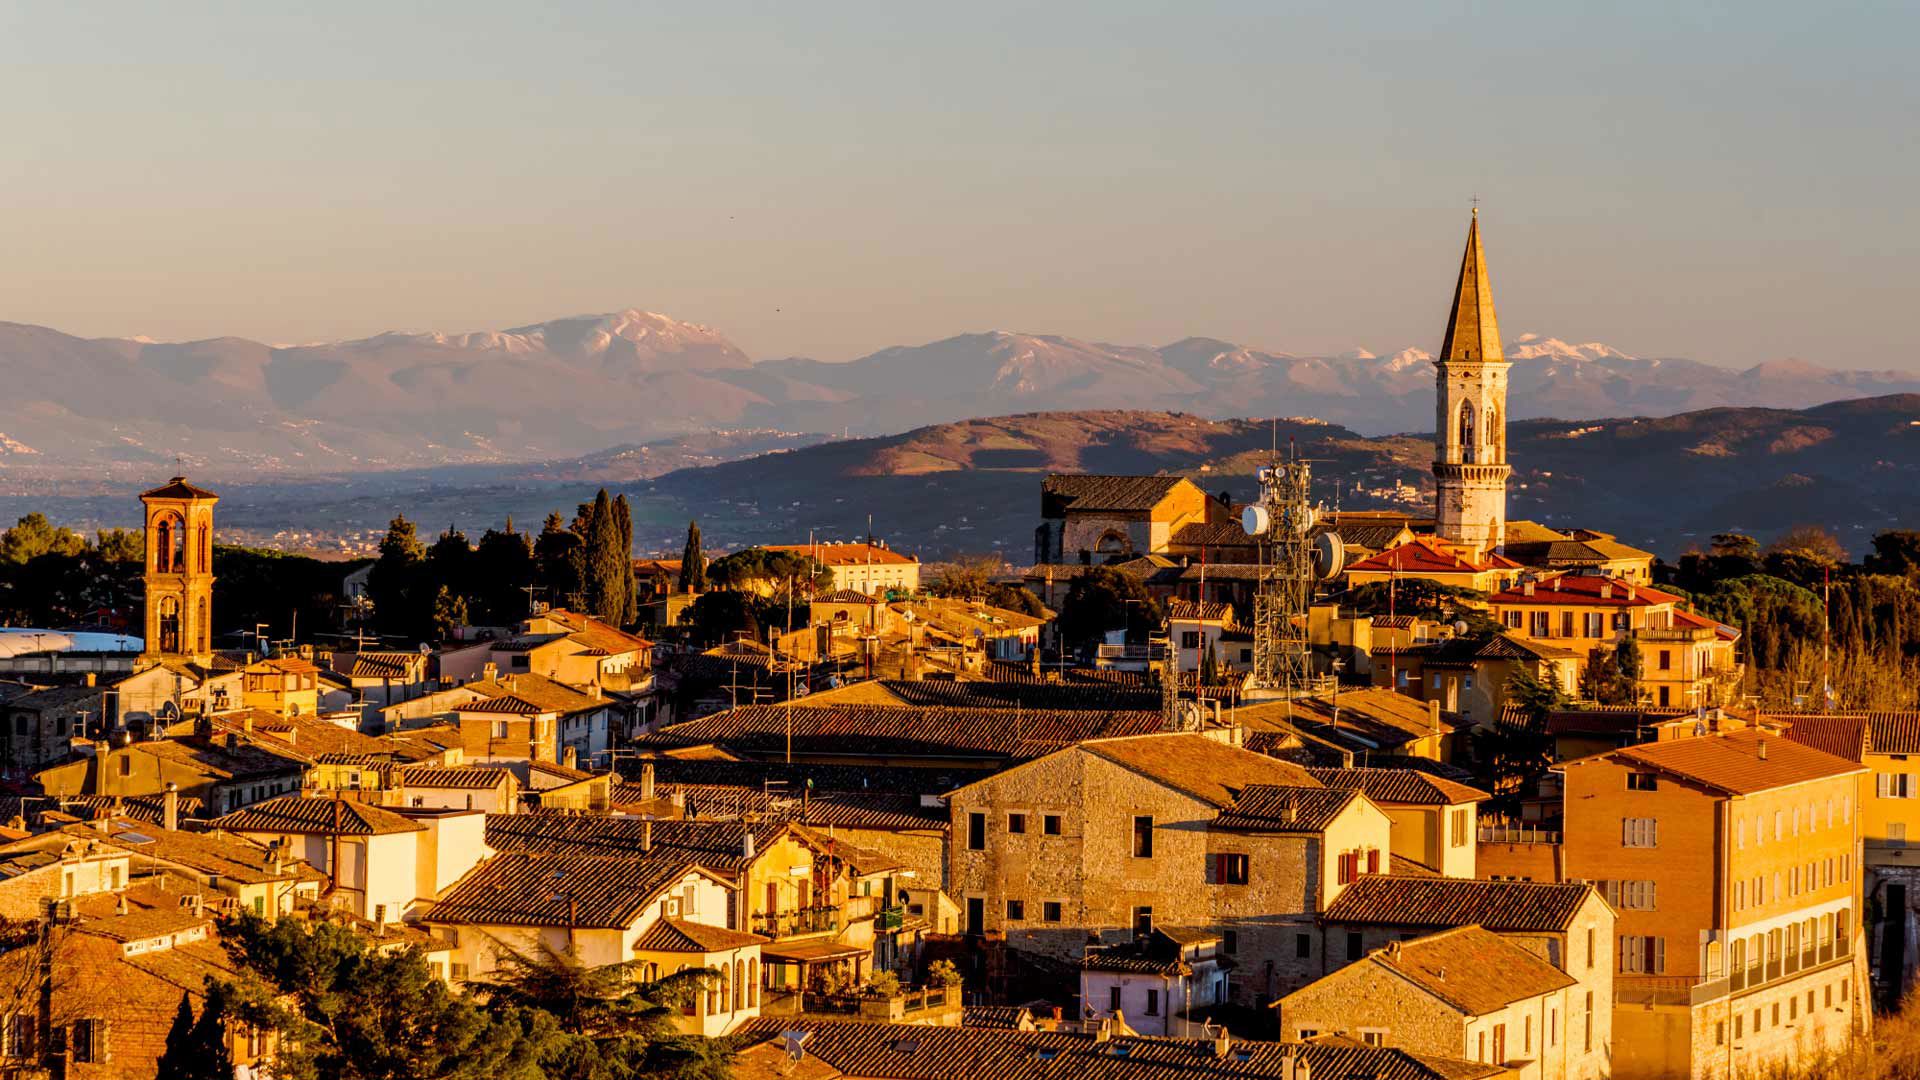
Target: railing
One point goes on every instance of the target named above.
(1128, 652)
(1754, 976)
(1522, 834)
(811, 920)
(892, 918)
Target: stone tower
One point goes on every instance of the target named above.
(1470, 442)
(179, 579)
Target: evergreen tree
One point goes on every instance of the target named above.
(1209, 665)
(1103, 599)
(556, 557)
(396, 583)
(449, 613)
(607, 568)
(197, 1049)
(175, 1059)
(1626, 662)
(693, 562)
(502, 567)
(450, 564)
(629, 592)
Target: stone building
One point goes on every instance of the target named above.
(179, 572)
(1097, 519)
(1461, 993)
(1733, 859)
(1112, 838)
(1434, 818)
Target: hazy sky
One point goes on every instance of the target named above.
(1729, 182)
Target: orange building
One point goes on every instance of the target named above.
(1733, 860)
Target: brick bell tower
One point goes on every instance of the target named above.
(1470, 443)
(179, 578)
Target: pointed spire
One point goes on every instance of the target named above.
(1473, 334)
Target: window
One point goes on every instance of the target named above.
(90, 1042)
(1630, 895)
(1666, 660)
(1230, 869)
(1190, 639)
(1113, 999)
(1353, 946)
(1512, 620)
(976, 832)
(18, 1034)
(1542, 623)
(1050, 824)
(1459, 828)
(1143, 836)
(126, 764)
(1500, 1042)
(1016, 910)
(1153, 1002)
(1016, 823)
(1142, 921)
(1586, 1044)
(1229, 941)
(1596, 624)
(1526, 1037)
(1639, 832)
(1642, 954)
(1643, 781)
(1589, 947)
(1566, 624)
(1553, 1027)
(1050, 911)
(1666, 696)
(1373, 1036)
(1894, 785)
(1303, 945)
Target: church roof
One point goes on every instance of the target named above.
(1473, 333)
(178, 488)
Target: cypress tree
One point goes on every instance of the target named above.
(629, 600)
(693, 562)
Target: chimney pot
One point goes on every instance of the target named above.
(646, 782)
(646, 835)
(1761, 749)
(170, 807)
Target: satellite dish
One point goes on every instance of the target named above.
(1460, 627)
(1329, 555)
(1255, 521)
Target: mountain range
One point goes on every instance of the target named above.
(230, 407)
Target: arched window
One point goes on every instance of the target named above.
(169, 624)
(726, 995)
(1495, 436)
(740, 984)
(1466, 431)
(753, 982)
(1113, 542)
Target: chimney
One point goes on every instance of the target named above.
(90, 679)
(1433, 714)
(1760, 748)
(1631, 592)
(646, 782)
(678, 799)
(570, 756)
(1526, 588)
(170, 808)
(1222, 1043)
(1104, 1033)
(746, 843)
(1556, 584)
(490, 671)
(646, 835)
(1606, 590)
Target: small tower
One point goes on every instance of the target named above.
(1470, 442)
(179, 578)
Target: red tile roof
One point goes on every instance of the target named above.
(1732, 762)
(529, 889)
(296, 816)
(1475, 971)
(1500, 906)
(1208, 770)
(1592, 590)
(1427, 555)
(683, 936)
(847, 554)
(1400, 786)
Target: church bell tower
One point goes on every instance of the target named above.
(1470, 442)
(179, 578)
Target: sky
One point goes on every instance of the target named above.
(1729, 182)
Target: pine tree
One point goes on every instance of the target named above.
(395, 583)
(556, 556)
(693, 562)
(502, 566)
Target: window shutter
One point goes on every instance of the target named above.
(1659, 955)
(1373, 860)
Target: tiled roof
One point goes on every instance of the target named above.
(1274, 809)
(379, 665)
(1851, 734)
(305, 735)
(1204, 768)
(461, 777)
(213, 758)
(1227, 533)
(1079, 491)
(911, 1052)
(527, 693)
(178, 488)
(1249, 572)
(1427, 555)
(297, 816)
(1500, 906)
(1732, 761)
(1399, 786)
(848, 596)
(233, 858)
(847, 554)
(1191, 610)
(150, 809)
(881, 730)
(999, 694)
(1475, 971)
(532, 889)
(682, 936)
(1701, 622)
(1587, 590)
(716, 845)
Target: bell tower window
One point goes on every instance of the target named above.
(169, 624)
(1466, 432)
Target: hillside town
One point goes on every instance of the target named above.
(1211, 786)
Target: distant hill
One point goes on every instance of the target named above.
(227, 408)
(1664, 483)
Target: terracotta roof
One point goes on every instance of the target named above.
(1079, 491)
(1586, 590)
(379, 665)
(682, 936)
(213, 758)
(715, 845)
(526, 694)
(594, 634)
(1191, 610)
(1204, 768)
(148, 809)
(911, 1052)
(1475, 971)
(1010, 694)
(306, 735)
(847, 554)
(881, 730)
(178, 488)
(531, 889)
(848, 596)
(1274, 809)
(233, 858)
(461, 777)
(296, 816)
(1500, 906)
(1225, 533)
(1427, 555)
(1732, 763)
(1399, 786)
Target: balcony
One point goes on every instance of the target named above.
(892, 918)
(797, 921)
